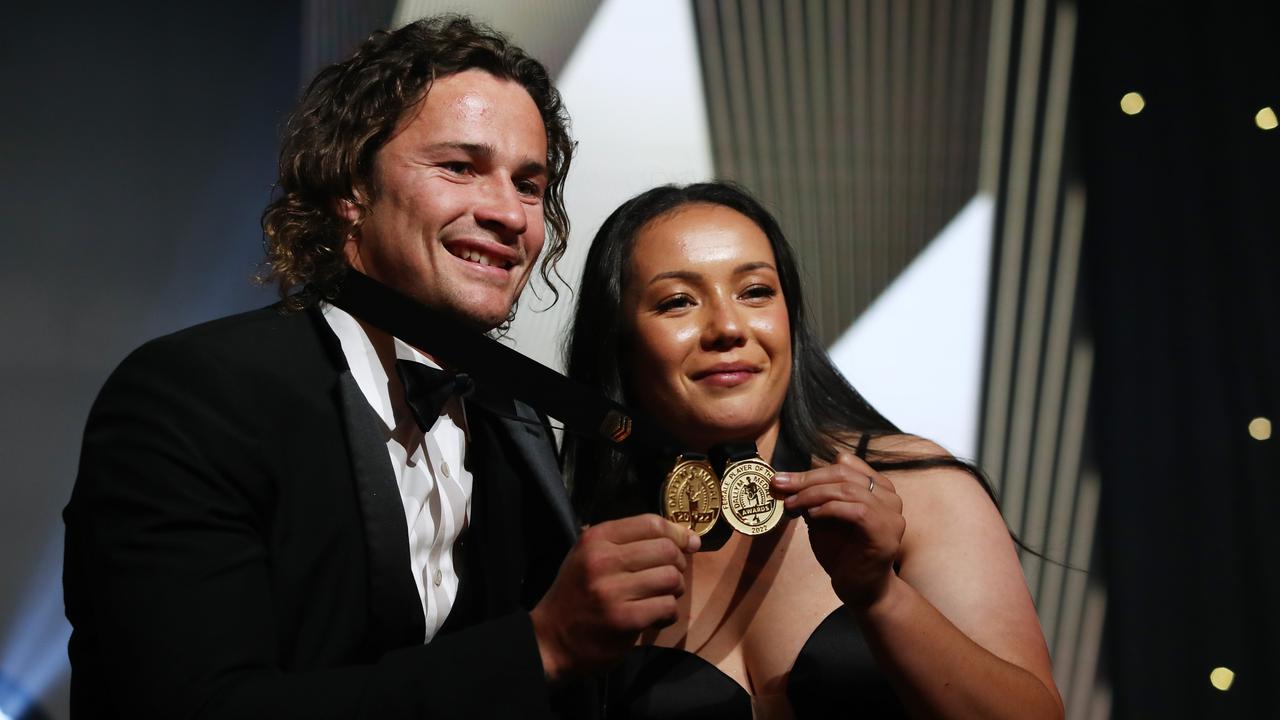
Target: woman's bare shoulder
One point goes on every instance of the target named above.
(905, 446)
(934, 488)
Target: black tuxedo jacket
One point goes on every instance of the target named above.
(236, 544)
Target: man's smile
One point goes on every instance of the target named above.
(488, 254)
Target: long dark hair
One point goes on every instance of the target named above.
(821, 411)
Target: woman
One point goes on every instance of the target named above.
(898, 593)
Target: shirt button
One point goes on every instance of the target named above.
(444, 469)
(437, 578)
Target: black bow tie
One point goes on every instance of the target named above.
(427, 389)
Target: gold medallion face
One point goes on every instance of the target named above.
(748, 502)
(691, 496)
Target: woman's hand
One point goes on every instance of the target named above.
(855, 524)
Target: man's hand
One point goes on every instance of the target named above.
(621, 578)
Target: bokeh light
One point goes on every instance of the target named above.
(1266, 119)
(1132, 103)
(1260, 428)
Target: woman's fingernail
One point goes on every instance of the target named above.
(782, 479)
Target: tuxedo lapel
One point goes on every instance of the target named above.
(518, 533)
(531, 440)
(493, 562)
(395, 609)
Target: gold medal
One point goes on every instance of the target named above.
(746, 498)
(691, 495)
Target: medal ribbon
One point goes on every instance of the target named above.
(582, 409)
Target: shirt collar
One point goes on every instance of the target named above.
(362, 358)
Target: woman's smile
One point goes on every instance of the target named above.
(727, 374)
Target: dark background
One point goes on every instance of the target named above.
(1183, 251)
(137, 148)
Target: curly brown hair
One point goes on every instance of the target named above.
(350, 111)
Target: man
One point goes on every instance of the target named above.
(266, 525)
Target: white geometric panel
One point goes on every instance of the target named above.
(633, 87)
(916, 353)
(546, 29)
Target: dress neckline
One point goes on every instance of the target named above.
(701, 661)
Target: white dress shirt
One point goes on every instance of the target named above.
(435, 486)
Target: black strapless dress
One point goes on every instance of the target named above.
(834, 675)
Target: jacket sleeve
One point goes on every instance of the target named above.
(169, 580)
